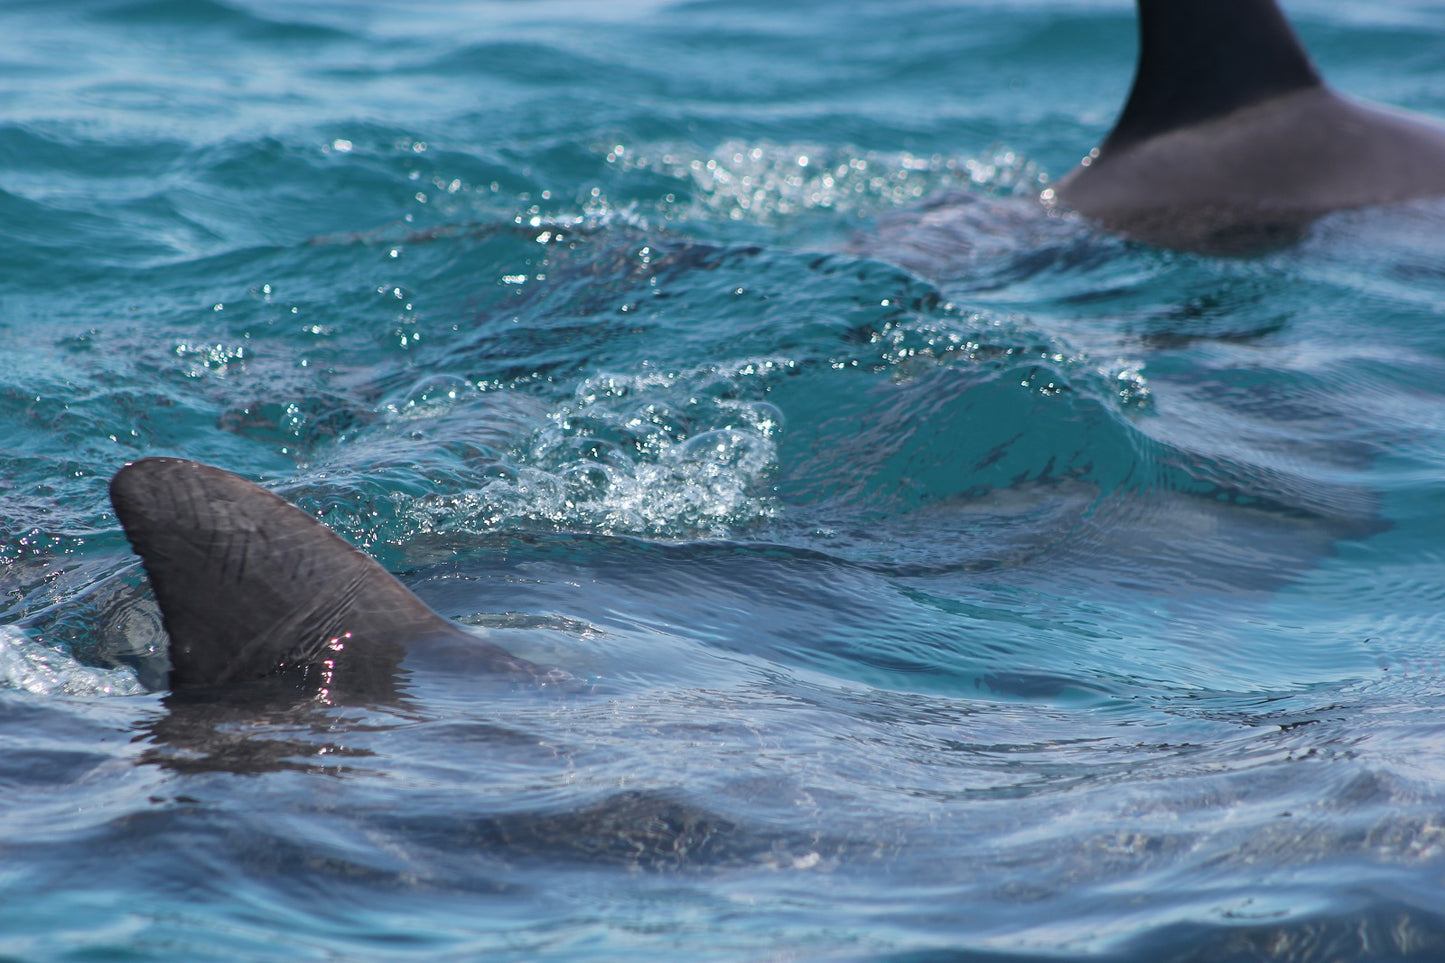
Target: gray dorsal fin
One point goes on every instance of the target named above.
(1205, 58)
(249, 584)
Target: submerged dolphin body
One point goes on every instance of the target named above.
(250, 585)
(1230, 139)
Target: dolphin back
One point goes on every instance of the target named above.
(248, 584)
(1230, 142)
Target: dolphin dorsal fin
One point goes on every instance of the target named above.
(248, 583)
(1200, 59)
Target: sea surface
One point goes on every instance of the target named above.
(941, 578)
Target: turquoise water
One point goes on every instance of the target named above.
(951, 581)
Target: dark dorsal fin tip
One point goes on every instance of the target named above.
(1200, 59)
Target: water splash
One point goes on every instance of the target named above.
(766, 182)
(31, 667)
(670, 453)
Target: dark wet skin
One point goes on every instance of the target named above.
(1230, 142)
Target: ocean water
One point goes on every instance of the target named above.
(947, 580)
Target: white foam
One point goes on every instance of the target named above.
(30, 666)
(671, 453)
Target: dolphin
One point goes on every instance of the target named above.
(1230, 140)
(250, 586)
